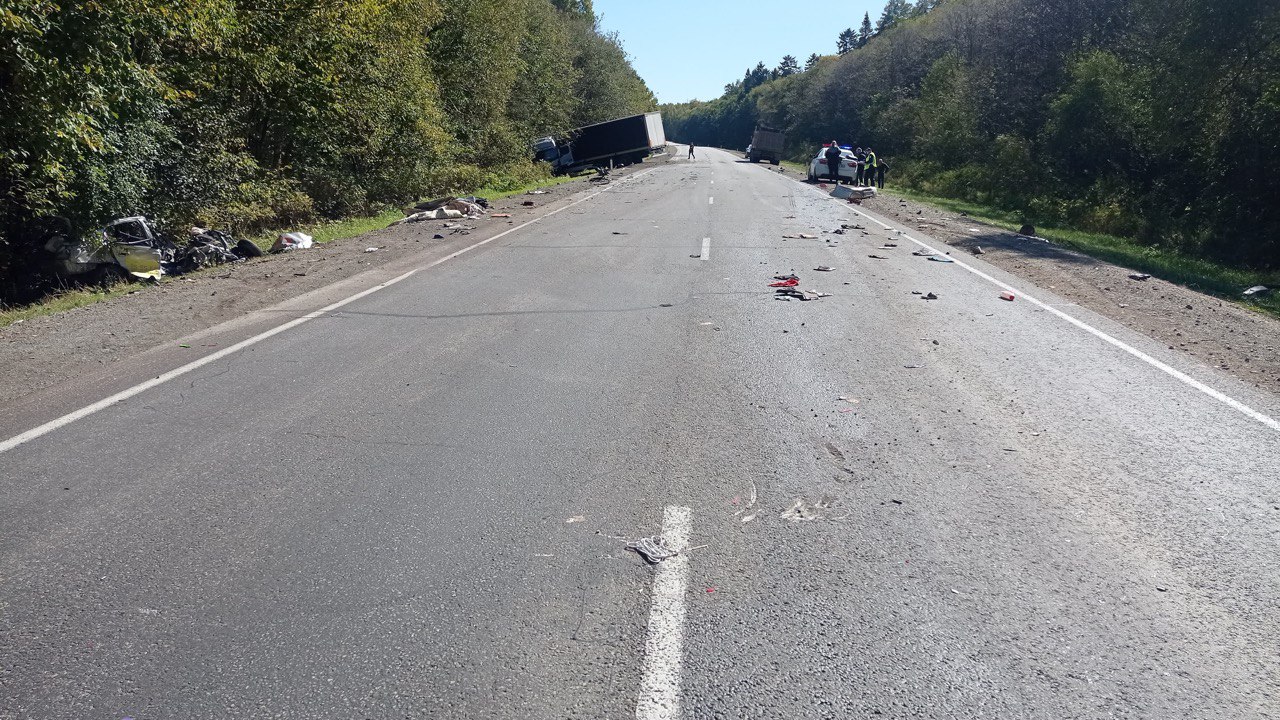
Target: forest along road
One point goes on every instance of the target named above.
(418, 504)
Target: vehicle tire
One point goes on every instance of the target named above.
(110, 275)
(247, 249)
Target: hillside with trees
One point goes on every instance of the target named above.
(1152, 119)
(250, 115)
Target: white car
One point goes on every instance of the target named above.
(818, 166)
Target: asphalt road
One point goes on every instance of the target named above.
(417, 506)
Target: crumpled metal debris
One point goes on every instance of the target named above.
(292, 241)
(652, 549)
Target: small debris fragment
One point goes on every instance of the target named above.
(941, 259)
(977, 250)
(1006, 295)
(575, 519)
(501, 215)
(1139, 276)
(877, 257)
(371, 249)
(930, 296)
(664, 305)
(1257, 291)
(824, 268)
(1161, 588)
(652, 549)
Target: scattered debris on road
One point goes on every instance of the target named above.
(941, 259)
(802, 510)
(877, 257)
(977, 250)
(1139, 276)
(575, 519)
(930, 296)
(824, 268)
(1006, 295)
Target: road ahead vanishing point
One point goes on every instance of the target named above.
(417, 504)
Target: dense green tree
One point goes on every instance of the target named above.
(846, 41)
(813, 60)
(865, 32)
(252, 115)
(894, 12)
(788, 66)
(1154, 119)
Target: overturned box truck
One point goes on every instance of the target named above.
(616, 142)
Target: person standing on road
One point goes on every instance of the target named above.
(869, 175)
(691, 157)
(858, 173)
(833, 161)
(882, 167)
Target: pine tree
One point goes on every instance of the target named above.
(894, 11)
(846, 41)
(811, 62)
(865, 32)
(788, 66)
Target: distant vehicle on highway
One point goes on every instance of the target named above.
(818, 165)
(766, 144)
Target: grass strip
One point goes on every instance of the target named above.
(1198, 274)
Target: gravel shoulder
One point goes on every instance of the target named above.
(43, 352)
(1217, 333)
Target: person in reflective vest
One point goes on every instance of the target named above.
(870, 174)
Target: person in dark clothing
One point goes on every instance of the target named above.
(833, 161)
(859, 172)
(691, 157)
(882, 167)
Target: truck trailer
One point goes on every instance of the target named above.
(615, 142)
(767, 144)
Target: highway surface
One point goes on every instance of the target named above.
(418, 504)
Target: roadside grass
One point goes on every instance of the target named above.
(64, 301)
(1195, 273)
(324, 232)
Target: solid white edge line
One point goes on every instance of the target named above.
(706, 249)
(1116, 342)
(664, 646)
(106, 402)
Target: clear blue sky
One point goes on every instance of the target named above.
(690, 50)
